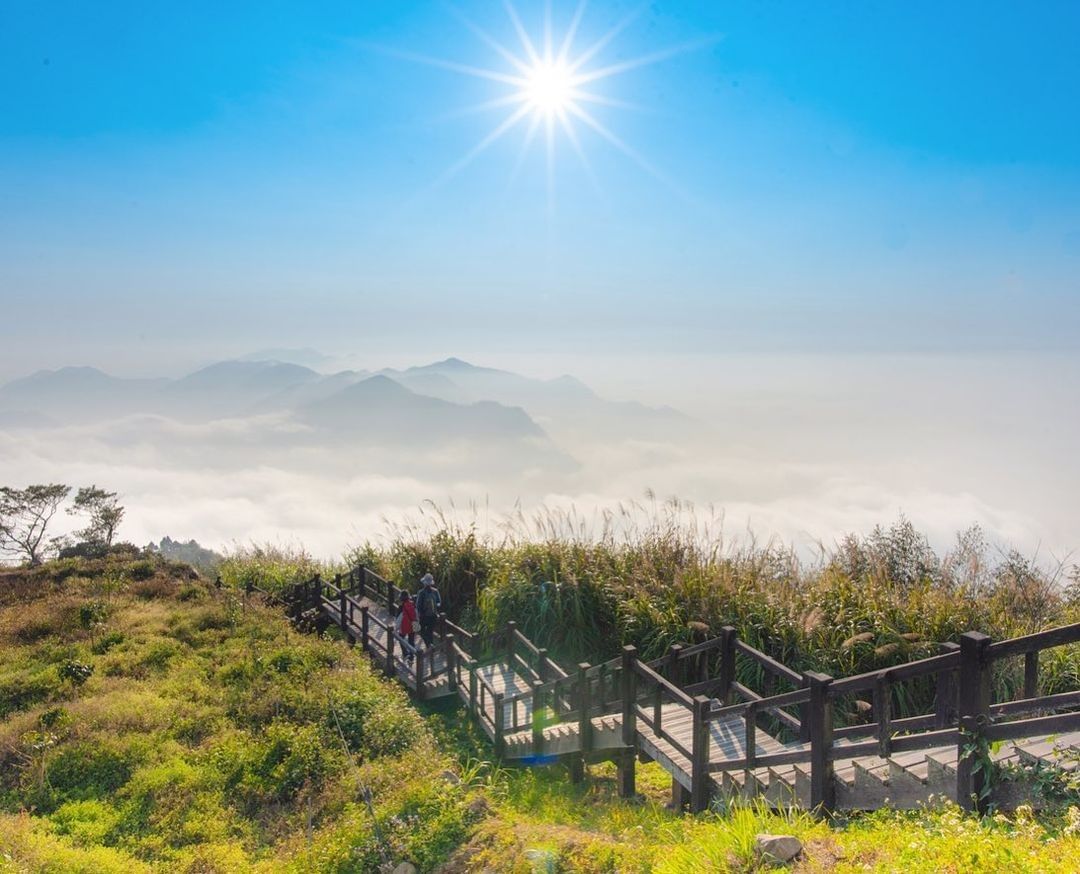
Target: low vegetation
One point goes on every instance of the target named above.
(150, 721)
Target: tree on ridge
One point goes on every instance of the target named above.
(24, 518)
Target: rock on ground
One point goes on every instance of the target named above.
(779, 848)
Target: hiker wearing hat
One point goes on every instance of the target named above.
(428, 604)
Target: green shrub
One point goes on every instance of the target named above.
(141, 570)
(106, 642)
(175, 804)
(88, 769)
(374, 721)
(191, 593)
(269, 567)
(75, 672)
(28, 845)
(87, 822)
(25, 689)
(277, 765)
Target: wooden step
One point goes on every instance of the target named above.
(781, 791)
(871, 788)
(1058, 752)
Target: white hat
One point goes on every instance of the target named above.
(427, 580)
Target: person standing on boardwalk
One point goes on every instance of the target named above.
(428, 604)
(406, 622)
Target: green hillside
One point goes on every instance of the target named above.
(152, 722)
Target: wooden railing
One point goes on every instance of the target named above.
(679, 687)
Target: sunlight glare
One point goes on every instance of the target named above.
(549, 87)
(546, 82)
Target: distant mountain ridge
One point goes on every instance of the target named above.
(424, 405)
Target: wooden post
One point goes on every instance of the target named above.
(389, 669)
(727, 663)
(945, 691)
(680, 797)
(440, 624)
(451, 663)
(883, 713)
(537, 717)
(365, 644)
(500, 741)
(343, 606)
(658, 708)
(418, 661)
(390, 605)
(625, 766)
(675, 666)
(629, 696)
(473, 704)
(584, 703)
(699, 765)
(1031, 674)
(974, 708)
(750, 736)
(511, 627)
(541, 657)
(577, 768)
(627, 762)
(822, 789)
(804, 715)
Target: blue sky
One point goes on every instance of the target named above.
(185, 180)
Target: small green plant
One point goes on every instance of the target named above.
(107, 642)
(92, 616)
(75, 672)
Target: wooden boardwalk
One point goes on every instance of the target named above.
(715, 736)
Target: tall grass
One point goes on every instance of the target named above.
(657, 574)
(269, 566)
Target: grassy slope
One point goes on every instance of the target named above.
(205, 739)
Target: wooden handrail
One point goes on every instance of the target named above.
(1034, 642)
(799, 696)
(908, 723)
(674, 691)
(697, 648)
(642, 713)
(770, 664)
(525, 642)
(908, 671)
(1043, 704)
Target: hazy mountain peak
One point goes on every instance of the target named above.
(233, 371)
(379, 385)
(453, 365)
(71, 374)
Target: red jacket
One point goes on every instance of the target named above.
(408, 617)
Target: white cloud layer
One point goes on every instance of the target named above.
(793, 454)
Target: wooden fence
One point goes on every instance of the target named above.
(697, 685)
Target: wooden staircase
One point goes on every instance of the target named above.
(718, 738)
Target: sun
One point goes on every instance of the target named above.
(550, 88)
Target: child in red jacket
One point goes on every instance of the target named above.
(406, 622)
